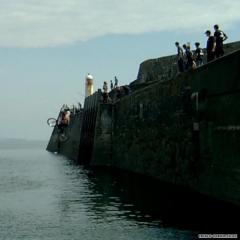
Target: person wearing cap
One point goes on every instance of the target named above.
(211, 45)
(220, 37)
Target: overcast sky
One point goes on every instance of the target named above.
(48, 46)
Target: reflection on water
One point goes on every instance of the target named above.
(158, 204)
(45, 196)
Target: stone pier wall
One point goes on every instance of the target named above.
(87, 133)
(70, 148)
(102, 148)
(181, 129)
(185, 131)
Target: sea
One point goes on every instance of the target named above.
(47, 196)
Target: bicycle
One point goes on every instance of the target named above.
(62, 132)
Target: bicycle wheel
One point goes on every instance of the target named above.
(51, 122)
(63, 137)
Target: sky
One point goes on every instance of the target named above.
(47, 48)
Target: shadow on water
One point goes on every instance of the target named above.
(156, 203)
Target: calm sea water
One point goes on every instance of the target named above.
(45, 196)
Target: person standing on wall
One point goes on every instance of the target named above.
(111, 85)
(105, 92)
(198, 54)
(180, 61)
(115, 82)
(190, 64)
(220, 37)
(211, 45)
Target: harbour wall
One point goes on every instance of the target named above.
(69, 148)
(80, 133)
(183, 131)
(88, 125)
(103, 145)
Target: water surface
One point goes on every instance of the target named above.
(46, 196)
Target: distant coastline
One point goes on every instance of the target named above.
(21, 143)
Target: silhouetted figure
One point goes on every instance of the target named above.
(220, 37)
(198, 54)
(179, 57)
(115, 82)
(105, 92)
(111, 85)
(190, 64)
(211, 44)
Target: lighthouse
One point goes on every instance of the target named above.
(89, 85)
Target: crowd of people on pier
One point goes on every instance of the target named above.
(188, 59)
(116, 91)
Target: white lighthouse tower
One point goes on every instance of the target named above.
(89, 85)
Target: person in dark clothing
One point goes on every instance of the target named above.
(189, 57)
(198, 54)
(211, 44)
(179, 57)
(111, 85)
(220, 37)
(116, 82)
(105, 92)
